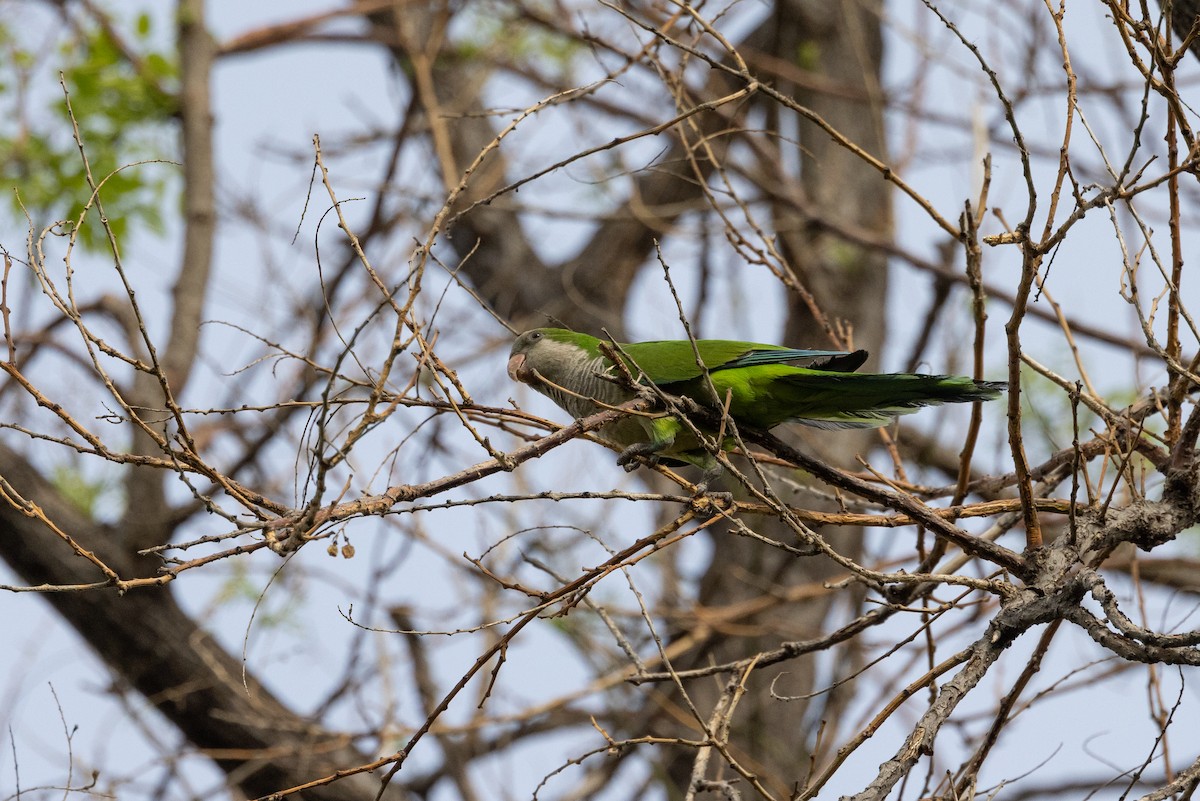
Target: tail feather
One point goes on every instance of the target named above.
(840, 400)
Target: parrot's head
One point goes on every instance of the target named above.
(545, 351)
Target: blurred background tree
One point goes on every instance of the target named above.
(205, 368)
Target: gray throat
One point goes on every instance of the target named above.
(584, 379)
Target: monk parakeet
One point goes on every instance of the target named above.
(766, 385)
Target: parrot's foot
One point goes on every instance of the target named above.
(628, 458)
(712, 472)
(705, 501)
(710, 503)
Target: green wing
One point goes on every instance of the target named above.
(672, 361)
(769, 384)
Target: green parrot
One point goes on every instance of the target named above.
(766, 385)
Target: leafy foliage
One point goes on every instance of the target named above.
(123, 108)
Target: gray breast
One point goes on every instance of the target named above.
(586, 381)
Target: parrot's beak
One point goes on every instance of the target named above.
(516, 368)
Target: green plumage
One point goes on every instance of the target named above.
(765, 385)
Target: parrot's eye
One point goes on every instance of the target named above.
(536, 335)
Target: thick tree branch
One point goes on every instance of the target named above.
(152, 645)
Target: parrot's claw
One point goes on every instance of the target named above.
(628, 458)
(711, 474)
(705, 502)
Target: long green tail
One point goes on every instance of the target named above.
(852, 400)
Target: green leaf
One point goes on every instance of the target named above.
(125, 110)
(79, 491)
